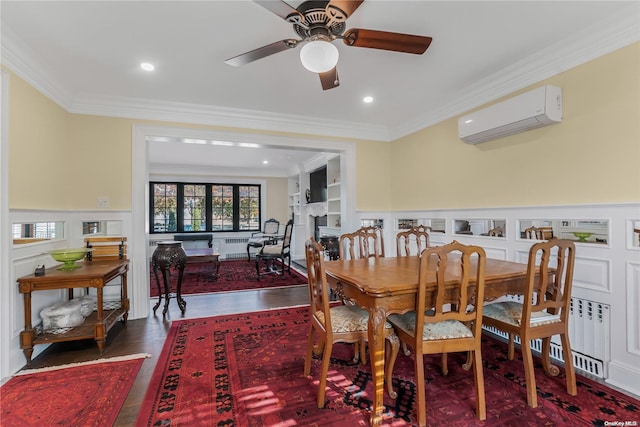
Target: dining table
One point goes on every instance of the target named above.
(389, 285)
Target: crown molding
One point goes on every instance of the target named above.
(581, 47)
(135, 108)
(21, 60)
(586, 45)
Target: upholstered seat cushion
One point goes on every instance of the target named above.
(348, 318)
(510, 312)
(432, 331)
(272, 249)
(256, 241)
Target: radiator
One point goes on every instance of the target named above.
(588, 331)
(235, 247)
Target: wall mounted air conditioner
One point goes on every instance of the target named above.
(536, 108)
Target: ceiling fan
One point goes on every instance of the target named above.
(319, 23)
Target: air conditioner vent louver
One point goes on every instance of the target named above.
(539, 107)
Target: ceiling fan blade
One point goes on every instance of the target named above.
(397, 42)
(340, 10)
(283, 10)
(329, 79)
(262, 52)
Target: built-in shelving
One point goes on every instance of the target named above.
(334, 195)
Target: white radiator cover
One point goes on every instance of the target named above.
(589, 323)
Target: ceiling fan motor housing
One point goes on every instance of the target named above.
(316, 22)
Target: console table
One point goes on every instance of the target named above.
(91, 274)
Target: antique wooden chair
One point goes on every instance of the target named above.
(337, 323)
(538, 233)
(412, 238)
(362, 243)
(448, 317)
(543, 313)
(259, 238)
(279, 250)
(373, 238)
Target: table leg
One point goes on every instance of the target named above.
(166, 277)
(27, 336)
(157, 304)
(182, 304)
(377, 318)
(99, 330)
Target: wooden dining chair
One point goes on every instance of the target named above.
(543, 313)
(337, 323)
(418, 238)
(373, 237)
(446, 318)
(412, 238)
(358, 245)
(538, 233)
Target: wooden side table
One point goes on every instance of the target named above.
(169, 254)
(91, 274)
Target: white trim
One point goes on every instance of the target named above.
(139, 241)
(6, 319)
(592, 42)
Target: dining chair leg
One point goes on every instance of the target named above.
(361, 352)
(405, 349)
(549, 368)
(445, 365)
(570, 373)
(481, 408)
(307, 358)
(326, 358)
(510, 354)
(529, 375)
(421, 408)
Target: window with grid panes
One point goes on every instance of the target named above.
(195, 207)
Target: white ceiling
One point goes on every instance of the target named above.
(86, 54)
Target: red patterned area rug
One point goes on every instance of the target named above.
(235, 275)
(81, 394)
(246, 370)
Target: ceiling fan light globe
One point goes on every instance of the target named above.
(319, 56)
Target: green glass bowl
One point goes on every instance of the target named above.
(582, 236)
(68, 257)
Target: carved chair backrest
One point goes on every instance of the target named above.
(412, 238)
(552, 295)
(271, 226)
(459, 273)
(372, 241)
(318, 289)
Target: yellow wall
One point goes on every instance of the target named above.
(39, 149)
(373, 171)
(64, 161)
(591, 157)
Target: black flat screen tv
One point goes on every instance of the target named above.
(318, 185)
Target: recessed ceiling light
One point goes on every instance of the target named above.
(367, 99)
(265, 162)
(147, 66)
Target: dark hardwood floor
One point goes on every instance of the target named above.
(148, 335)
